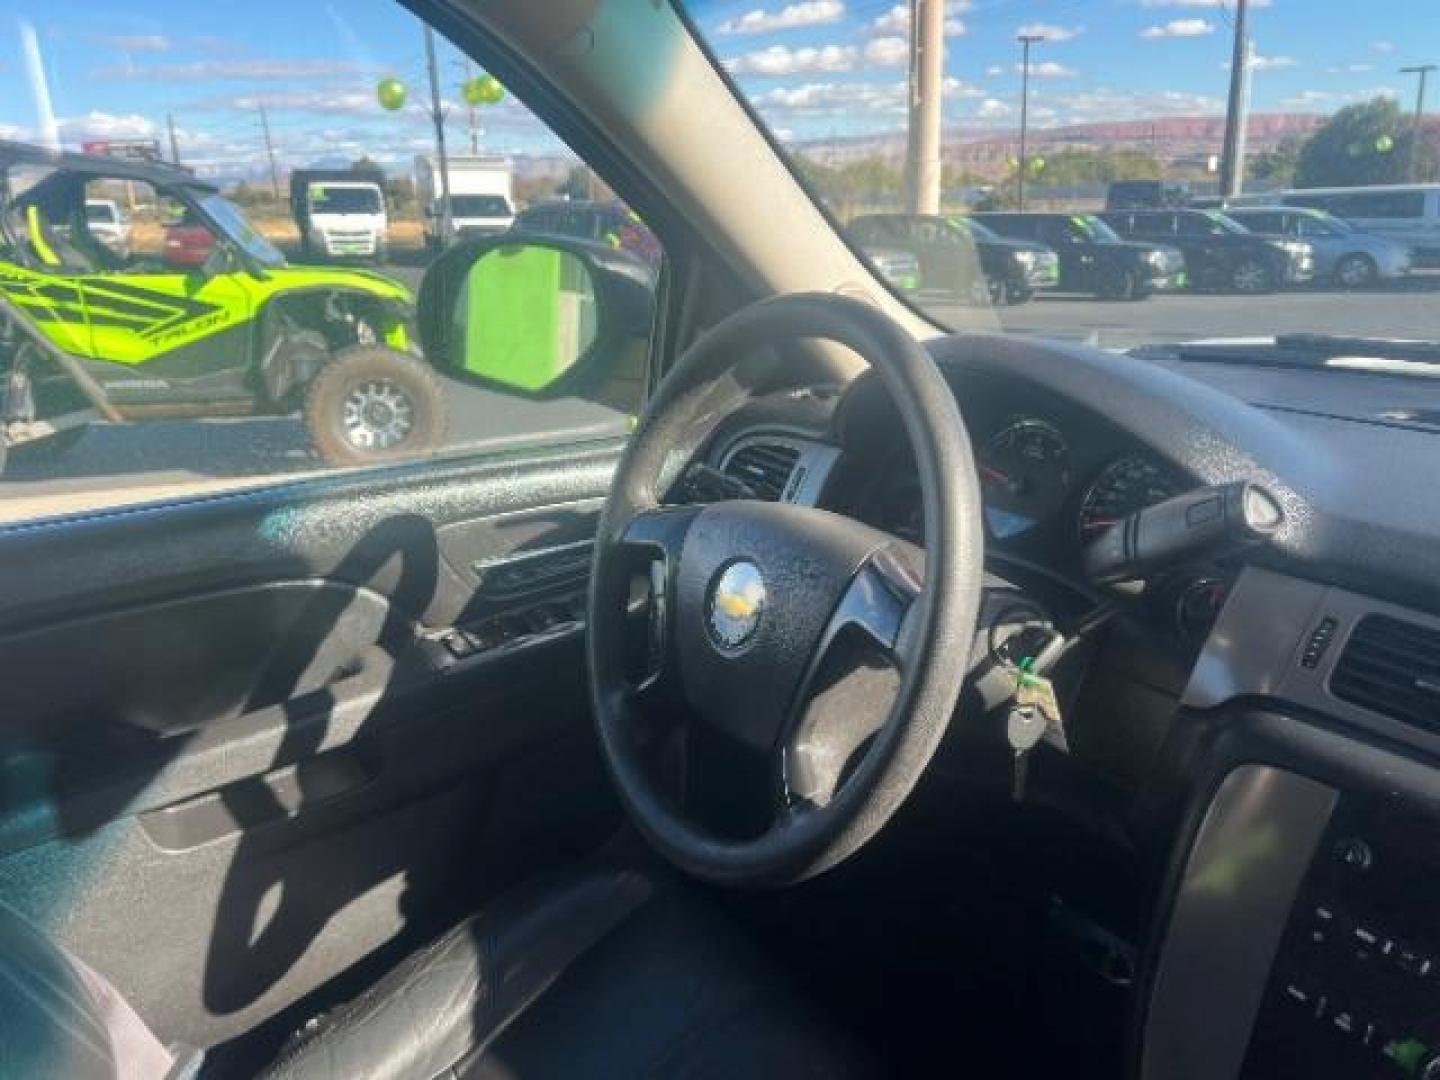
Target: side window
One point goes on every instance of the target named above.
(1398, 205)
(1194, 225)
(268, 261)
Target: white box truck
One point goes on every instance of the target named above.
(482, 198)
(340, 213)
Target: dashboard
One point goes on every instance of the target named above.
(1270, 718)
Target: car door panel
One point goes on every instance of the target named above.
(238, 755)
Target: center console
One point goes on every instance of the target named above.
(1302, 939)
(1354, 990)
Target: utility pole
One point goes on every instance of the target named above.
(1232, 154)
(927, 71)
(437, 114)
(1026, 40)
(270, 152)
(474, 115)
(1423, 70)
(174, 142)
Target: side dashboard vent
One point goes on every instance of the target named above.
(765, 467)
(1391, 667)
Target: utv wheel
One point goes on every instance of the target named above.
(374, 404)
(1357, 272)
(1252, 276)
(1017, 292)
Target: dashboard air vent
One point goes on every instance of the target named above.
(1391, 667)
(765, 467)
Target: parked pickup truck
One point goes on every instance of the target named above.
(1093, 257)
(961, 257)
(1220, 253)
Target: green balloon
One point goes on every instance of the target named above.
(483, 90)
(391, 94)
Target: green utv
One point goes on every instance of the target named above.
(189, 312)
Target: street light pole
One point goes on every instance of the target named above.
(1423, 70)
(927, 73)
(1232, 154)
(437, 114)
(1026, 40)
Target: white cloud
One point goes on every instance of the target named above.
(1307, 99)
(1198, 3)
(1047, 69)
(783, 60)
(993, 109)
(1271, 63)
(849, 97)
(1349, 69)
(1383, 46)
(805, 13)
(140, 43)
(96, 126)
(897, 19)
(1090, 106)
(887, 52)
(780, 60)
(995, 69)
(319, 102)
(238, 70)
(1179, 28)
(1049, 31)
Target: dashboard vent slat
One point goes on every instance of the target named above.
(1391, 667)
(765, 467)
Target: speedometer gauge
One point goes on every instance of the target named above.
(1124, 486)
(1025, 474)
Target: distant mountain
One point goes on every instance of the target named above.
(1171, 138)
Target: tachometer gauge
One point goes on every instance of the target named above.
(1025, 474)
(1124, 486)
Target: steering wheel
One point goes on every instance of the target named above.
(832, 651)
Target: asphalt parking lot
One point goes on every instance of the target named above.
(120, 464)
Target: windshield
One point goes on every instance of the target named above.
(101, 213)
(463, 206)
(233, 224)
(1224, 224)
(973, 228)
(1095, 228)
(1070, 109)
(325, 199)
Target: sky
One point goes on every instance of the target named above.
(815, 68)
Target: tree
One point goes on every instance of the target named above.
(1277, 165)
(1362, 144)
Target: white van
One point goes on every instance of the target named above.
(1408, 213)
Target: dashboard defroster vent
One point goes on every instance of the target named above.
(765, 467)
(1391, 667)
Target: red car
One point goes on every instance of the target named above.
(188, 242)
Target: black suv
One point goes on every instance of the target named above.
(949, 249)
(1219, 253)
(1093, 258)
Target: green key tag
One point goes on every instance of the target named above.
(1037, 692)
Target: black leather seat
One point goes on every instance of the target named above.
(600, 973)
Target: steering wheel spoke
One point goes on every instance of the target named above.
(849, 689)
(653, 540)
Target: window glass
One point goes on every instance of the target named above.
(1075, 108)
(244, 239)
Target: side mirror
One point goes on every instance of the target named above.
(540, 317)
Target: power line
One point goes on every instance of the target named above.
(270, 152)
